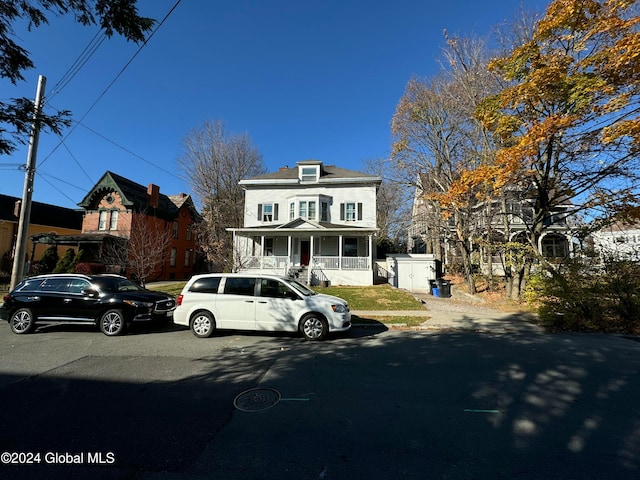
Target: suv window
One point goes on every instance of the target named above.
(54, 285)
(206, 285)
(29, 285)
(77, 285)
(239, 286)
(273, 288)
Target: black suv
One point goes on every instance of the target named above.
(111, 301)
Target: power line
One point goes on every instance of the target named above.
(128, 151)
(104, 92)
(78, 63)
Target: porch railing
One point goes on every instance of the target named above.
(323, 263)
(266, 262)
(345, 263)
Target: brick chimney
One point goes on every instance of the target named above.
(153, 192)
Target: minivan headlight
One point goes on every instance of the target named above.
(340, 308)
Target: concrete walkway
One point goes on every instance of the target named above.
(459, 313)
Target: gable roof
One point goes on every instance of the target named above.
(136, 196)
(42, 214)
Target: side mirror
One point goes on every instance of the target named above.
(90, 292)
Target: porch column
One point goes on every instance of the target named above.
(310, 260)
(340, 252)
(261, 252)
(370, 252)
(289, 254)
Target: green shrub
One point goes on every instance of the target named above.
(49, 259)
(66, 263)
(583, 297)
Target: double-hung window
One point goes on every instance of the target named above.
(350, 211)
(268, 212)
(307, 209)
(113, 222)
(309, 174)
(102, 220)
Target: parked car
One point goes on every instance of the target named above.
(110, 301)
(258, 302)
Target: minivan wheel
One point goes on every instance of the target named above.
(203, 324)
(22, 321)
(112, 323)
(314, 327)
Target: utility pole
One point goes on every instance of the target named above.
(27, 192)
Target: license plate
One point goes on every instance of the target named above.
(170, 314)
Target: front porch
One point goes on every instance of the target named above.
(343, 259)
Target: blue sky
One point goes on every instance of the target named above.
(303, 78)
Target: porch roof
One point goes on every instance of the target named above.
(300, 225)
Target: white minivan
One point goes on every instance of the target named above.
(258, 302)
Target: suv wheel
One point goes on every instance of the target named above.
(22, 321)
(112, 323)
(314, 327)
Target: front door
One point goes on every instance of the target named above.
(305, 249)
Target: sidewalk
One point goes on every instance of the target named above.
(454, 314)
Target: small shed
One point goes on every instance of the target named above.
(412, 272)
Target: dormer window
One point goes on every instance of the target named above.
(309, 173)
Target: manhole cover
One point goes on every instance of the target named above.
(256, 399)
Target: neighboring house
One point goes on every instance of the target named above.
(429, 234)
(45, 219)
(117, 209)
(619, 241)
(316, 222)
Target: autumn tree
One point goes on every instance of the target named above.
(113, 16)
(213, 162)
(567, 121)
(437, 138)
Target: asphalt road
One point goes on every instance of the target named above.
(163, 405)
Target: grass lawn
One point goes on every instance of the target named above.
(376, 297)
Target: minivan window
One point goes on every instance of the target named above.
(302, 288)
(273, 288)
(206, 285)
(239, 286)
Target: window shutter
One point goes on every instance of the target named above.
(342, 211)
(275, 212)
(359, 211)
(259, 212)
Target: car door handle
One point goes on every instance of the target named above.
(34, 298)
(248, 301)
(67, 300)
(262, 301)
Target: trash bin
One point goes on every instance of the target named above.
(436, 292)
(432, 286)
(445, 289)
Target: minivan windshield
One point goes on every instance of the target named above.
(303, 289)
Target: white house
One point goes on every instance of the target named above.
(429, 234)
(314, 221)
(620, 241)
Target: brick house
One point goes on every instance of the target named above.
(117, 210)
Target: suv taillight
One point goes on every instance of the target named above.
(179, 302)
(5, 298)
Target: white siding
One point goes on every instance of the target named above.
(364, 194)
